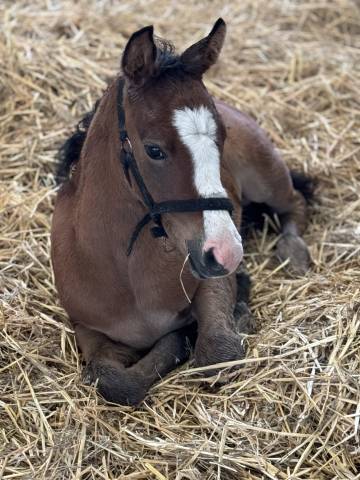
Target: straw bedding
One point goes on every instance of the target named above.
(292, 410)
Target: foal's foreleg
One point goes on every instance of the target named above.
(124, 376)
(107, 363)
(218, 340)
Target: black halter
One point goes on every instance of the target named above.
(156, 209)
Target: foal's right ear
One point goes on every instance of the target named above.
(203, 54)
(138, 60)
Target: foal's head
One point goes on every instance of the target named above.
(178, 137)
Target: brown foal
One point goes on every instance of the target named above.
(160, 150)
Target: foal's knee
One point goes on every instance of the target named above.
(221, 346)
(117, 384)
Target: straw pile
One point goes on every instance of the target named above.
(292, 410)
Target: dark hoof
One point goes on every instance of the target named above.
(116, 385)
(294, 248)
(218, 348)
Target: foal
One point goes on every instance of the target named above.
(160, 150)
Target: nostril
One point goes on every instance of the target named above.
(210, 260)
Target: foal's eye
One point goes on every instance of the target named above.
(155, 152)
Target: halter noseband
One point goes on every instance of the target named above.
(155, 210)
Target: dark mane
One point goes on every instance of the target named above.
(69, 152)
(168, 64)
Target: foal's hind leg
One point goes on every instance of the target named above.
(271, 184)
(291, 245)
(122, 376)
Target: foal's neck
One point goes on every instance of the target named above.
(100, 155)
(106, 198)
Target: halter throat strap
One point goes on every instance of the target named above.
(156, 209)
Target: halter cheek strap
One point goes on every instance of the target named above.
(155, 210)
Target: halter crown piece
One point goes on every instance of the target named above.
(155, 210)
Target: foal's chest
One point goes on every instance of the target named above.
(160, 279)
(141, 330)
(159, 286)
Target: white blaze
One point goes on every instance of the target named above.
(197, 130)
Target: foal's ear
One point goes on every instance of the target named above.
(138, 60)
(200, 56)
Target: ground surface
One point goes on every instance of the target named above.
(292, 410)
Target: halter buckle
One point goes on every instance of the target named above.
(126, 145)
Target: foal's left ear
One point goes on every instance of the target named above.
(138, 61)
(203, 54)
